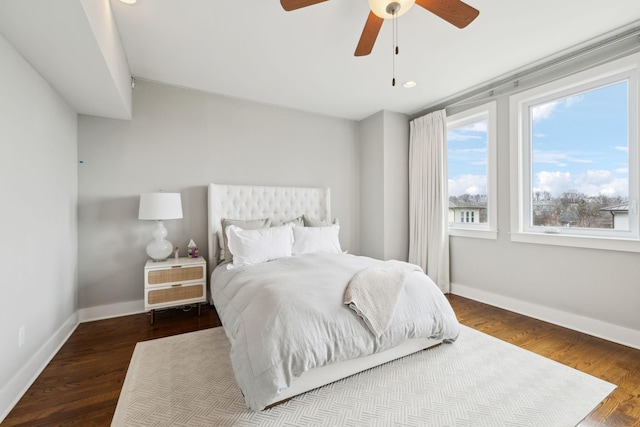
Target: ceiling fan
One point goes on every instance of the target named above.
(453, 11)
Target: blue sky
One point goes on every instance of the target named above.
(579, 143)
(467, 156)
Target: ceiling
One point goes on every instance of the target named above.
(304, 59)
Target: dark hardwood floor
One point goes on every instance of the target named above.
(81, 385)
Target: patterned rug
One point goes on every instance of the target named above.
(186, 380)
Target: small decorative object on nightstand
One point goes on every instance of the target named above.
(192, 249)
(174, 282)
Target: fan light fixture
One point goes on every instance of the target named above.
(386, 9)
(158, 207)
(455, 12)
(128, 1)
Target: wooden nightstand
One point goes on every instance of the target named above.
(174, 282)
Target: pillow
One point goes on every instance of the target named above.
(295, 221)
(317, 222)
(246, 224)
(309, 240)
(259, 245)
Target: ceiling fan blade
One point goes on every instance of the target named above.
(369, 35)
(298, 4)
(453, 11)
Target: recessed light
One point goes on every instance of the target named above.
(409, 84)
(128, 1)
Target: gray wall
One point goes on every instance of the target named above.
(396, 186)
(179, 141)
(38, 223)
(372, 185)
(384, 186)
(596, 291)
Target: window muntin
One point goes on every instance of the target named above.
(575, 166)
(471, 146)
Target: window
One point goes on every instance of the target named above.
(471, 160)
(575, 166)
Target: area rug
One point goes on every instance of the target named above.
(187, 380)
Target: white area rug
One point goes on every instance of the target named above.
(187, 380)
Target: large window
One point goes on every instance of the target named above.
(471, 146)
(575, 165)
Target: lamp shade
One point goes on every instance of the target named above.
(160, 206)
(379, 7)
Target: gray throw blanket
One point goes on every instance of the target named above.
(373, 293)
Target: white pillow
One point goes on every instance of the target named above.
(261, 245)
(309, 240)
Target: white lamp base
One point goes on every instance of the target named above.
(159, 249)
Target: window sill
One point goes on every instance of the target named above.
(475, 233)
(588, 242)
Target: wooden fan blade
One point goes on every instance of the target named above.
(298, 4)
(453, 11)
(369, 35)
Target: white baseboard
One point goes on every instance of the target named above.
(18, 385)
(587, 325)
(111, 310)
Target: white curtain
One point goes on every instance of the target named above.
(428, 204)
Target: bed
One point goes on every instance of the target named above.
(317, 339)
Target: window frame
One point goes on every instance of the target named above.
(488, 230)
(628, 69)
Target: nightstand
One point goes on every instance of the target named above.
(174, 282)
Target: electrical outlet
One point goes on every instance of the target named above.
(22, 336)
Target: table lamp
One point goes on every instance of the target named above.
(159, 207)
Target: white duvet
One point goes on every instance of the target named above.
(287, 316)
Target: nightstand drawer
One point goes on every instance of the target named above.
(172, 275)
(174, 282)
(175, 293)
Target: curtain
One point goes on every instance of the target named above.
(428, 204)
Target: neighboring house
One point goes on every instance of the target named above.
(620, 215)
(471, 214)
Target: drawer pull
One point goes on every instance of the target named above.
(177, 285)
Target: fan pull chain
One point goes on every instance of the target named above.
(395, 47)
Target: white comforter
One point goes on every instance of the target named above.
(287, 316)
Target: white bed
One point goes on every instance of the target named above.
(281, 204)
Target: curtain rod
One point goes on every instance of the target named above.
(514, 78)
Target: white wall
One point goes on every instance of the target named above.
(180, 140)
(38, 223)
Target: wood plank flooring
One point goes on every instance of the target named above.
(81, 385)
(611, 362)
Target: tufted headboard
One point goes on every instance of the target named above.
(257, 202)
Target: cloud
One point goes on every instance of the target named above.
(469, 132)
(557, 158)
(568, 102)
(454, 135)
(469, 150)
(622, 148)
(468, 184)
(544, 111)
(555, 183)
(591, 183)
